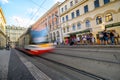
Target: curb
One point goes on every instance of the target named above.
(88, 46)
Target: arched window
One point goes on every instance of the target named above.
(108, 17)
(78, 26)
(87, 23)
(98, 20)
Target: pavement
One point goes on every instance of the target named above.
(4, 61)
(87, 46)
(13, 66)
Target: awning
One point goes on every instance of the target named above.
(66, 35)
(112, 25)
(83, 31)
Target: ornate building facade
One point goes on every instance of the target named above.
(84, 16)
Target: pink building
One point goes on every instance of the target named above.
(50, 20)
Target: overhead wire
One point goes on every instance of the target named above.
(36, 11)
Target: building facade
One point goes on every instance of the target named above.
(2, 29)
(89, 16)
(13, 33)
(51, 20)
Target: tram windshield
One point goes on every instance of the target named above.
(39, 35)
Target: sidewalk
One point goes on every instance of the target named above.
(4, 62)
(14, 66)
(88, 46)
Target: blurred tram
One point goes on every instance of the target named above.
(35, 42)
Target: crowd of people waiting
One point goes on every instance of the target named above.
(81, 39)
(105, 37)
(109, 37)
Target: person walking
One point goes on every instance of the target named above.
(116, 37)
(101, 38)
(105, 37)
(112, 38)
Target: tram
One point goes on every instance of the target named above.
(35, 41)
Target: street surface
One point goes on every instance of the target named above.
(68, 63)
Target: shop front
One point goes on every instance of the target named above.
(76, 35)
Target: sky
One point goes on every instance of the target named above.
(25, 12)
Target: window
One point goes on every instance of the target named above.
(54, 36)
(71, 3)
(77, 12)
(63, 19)
(51, 35)
(52, 23)
(72, 15)
(64, 30)
(50, 27)
(76, 1)
(108, 17)
(73, 27)
(66, 17)
(56, 21)
(106, 1)
(86, 8)
(58, 34)
(67, 29)
(96, 3)
(49, 17)
(52, 16)
(78, 26)
(61, 9)
(87, 23)
(65, 7)
(98, 20)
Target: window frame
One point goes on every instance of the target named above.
(71, 3)
(85, 8)
(77, 13)
(98, 20)
(79, 25)
(67, 18)
(72, 15)
(106, 1)
(73, 27)
(87, 23)
(96, 3)
(108, 17)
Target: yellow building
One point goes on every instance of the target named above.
(2, 29)
(84, 16)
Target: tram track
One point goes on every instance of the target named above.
(96, 77)
(69, 55)
(107, 50)
(84, 72)
(87, 74)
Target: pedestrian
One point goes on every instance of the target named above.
(101, 37)
(116, 37)
(84, 39)
(112, 38)
(105, 37)
(66, 41)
